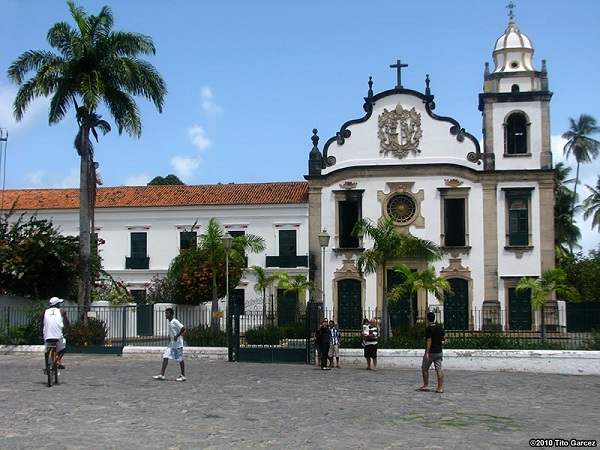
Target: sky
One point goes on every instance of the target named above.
(249, 80)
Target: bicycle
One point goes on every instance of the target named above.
(52, 362)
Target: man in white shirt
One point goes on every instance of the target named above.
(175, 348)
(53, 325)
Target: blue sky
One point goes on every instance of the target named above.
(249, 80)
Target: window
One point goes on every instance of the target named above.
(349, 214)
(402, 208)
(516, 134)
(187, 239)
(138, 258)
(349, 211)
(238, 233)
(518, 222)
(288, 252)
(287, 242)
(454, 216)
(139, 244)
(454, 222)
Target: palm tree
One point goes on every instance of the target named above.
(389, 245)
(263, 282)
(414, 281)
(296, 284)
(552, 280)
(592, 205)
(579, 143)
(566, 231)
(211, 244)
(94, 65)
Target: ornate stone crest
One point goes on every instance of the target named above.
(399, 131)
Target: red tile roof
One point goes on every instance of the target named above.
(153, 196)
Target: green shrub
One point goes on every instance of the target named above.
(264, 336)
(94, 333)
(204, 336)
(294, 330)
(594, 342)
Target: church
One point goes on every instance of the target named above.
(488, 205)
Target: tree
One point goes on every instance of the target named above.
(389, 245)
(168, 180)
(190, 278)
(592, 205)
(566, 231)
(552, 281)
(297, 284)
(94, 65)
(36, 261)
(211, 244)
(579, 144)
(413, 281)
(583, 272)
(263, 282)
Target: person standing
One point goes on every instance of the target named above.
(53, 327)
(334, 347)
(370, 335)
(435, 335)
(323, 342)
(175, 348)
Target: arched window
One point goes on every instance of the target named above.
(515, 88)
(516, 134)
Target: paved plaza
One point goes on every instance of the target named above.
(106, 402)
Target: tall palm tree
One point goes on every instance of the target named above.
(263, 282)
(211, 243)
(389, 245)
(579, 143)
(592, 205)
(94, 65)
(566, 231)
(415, 281)
(552, 281)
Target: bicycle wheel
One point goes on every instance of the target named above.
(50, 366)
(56, 373)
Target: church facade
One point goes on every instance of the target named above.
(488, 205)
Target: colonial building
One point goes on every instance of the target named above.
(488, 205)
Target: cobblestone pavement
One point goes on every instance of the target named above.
(105, 402)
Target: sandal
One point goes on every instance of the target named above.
(423, 389)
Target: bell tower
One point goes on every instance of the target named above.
(515, 104)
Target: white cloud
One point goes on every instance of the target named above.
(51, 179)
(141, 179)
(208, 104)
(198, 137)
(36, 111)
(185, 167)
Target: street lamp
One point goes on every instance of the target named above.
(323, 242)
(227, 241)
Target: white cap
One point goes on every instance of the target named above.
(55, 301)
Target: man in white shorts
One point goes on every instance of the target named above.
(175, 348)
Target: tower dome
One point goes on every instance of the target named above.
(513, 51)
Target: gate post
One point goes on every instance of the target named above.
(314, 311)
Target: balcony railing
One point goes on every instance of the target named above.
(137, 262)
(285, 262)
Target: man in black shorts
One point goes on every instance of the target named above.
(434, 333)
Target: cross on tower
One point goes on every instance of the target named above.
(511, 6)
(398, 66)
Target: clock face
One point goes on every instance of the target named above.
(401, 208)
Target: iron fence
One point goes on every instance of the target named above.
(571, 327)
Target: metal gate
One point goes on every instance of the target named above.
(259, 338)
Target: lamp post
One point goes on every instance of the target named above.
(323, 242)
(227, 241)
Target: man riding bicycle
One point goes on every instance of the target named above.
(54, 321)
